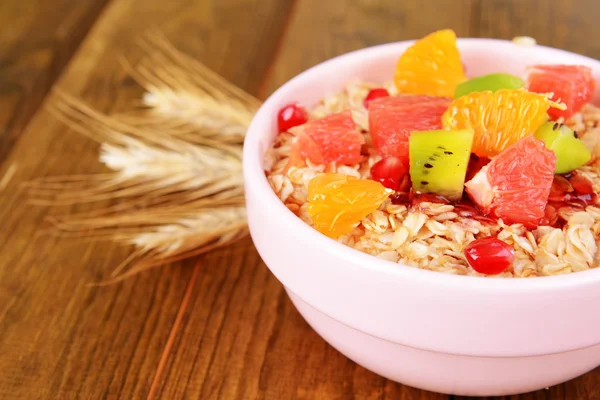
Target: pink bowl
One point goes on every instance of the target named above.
(451, 334)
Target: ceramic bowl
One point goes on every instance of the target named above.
(450, 334)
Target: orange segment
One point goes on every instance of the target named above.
(499, 119)
(431, 66)
(337, 203)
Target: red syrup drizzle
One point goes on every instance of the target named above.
(465, 207)
(475, 165)
(571, 191)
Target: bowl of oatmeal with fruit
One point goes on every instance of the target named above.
(431, 208)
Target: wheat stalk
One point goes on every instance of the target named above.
(175, 163)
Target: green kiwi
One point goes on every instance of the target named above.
(490, 82)
(570, 152)
(439, 161)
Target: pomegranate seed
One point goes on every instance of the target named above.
(475, 165)
(405, 184)
(375, 94)
(489, 255)
(290, 116)
(581, 184)
(560, 189)
(551, 216)
(400, 198)
(390, 171)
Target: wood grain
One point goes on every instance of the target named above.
(59, 338)
(565, 24)
(342, 26)
(38, 39)
(248, 340)
(224, 328)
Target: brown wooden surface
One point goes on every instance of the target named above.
(222, 328)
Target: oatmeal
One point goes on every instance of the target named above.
(427, 199)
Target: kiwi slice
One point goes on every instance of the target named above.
(492, 82)
(571, 152)
(439, 161)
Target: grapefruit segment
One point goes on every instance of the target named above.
(516, 184)
(571, 84)
(431, 66)
(391, 119)
(333, 138)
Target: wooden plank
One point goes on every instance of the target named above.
(339, 27)
(60, 339)
(567, 25)
(244, 339)
(241, 337)
(38, 40)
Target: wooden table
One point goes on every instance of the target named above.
(222, 328)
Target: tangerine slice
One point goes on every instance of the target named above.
(431, 66)
(337, 202)
(499, 119)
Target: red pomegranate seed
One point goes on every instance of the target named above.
(561, 187)
(375, 94)
(290, 116)
(405, 184)
(551, 216)
(475, 165)
(390, 171)
(400, 198)
(489, 255)
(581, 184)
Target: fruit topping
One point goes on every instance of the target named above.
(489, 255)
(337, 203)
(439, 161)
(491, 82)
(516, 184)
(375, 94)
(571, 191)
(571, 153)
(290, 116)
(333, 138)
(572, 85)
(581, 185)
(499, 118)
(390, 172)
(431, 66)
(391, 119)
(475, 165)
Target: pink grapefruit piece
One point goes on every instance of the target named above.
(516, 184)
(392, 119)
(572, 85)
(333, 138)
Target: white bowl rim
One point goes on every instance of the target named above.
(253, 171)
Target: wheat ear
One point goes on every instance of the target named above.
(175, 163)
